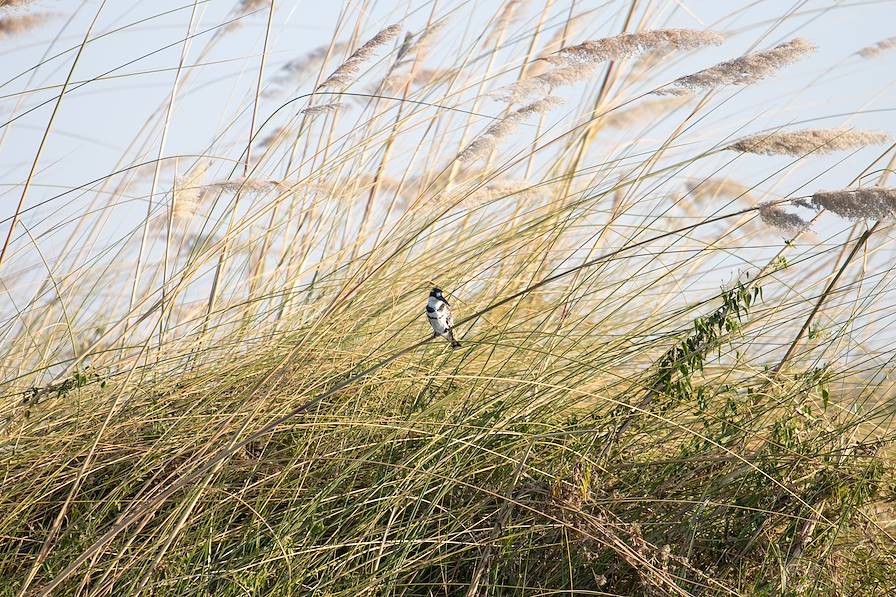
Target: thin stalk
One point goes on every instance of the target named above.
(222, 258)
(46, 134)
(860, 242)
(155, 178)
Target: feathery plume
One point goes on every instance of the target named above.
(504, 20)
(502, 188)
(710, 188)
(14, 3)
(747, 69)
(344, 75)
(298, 68)
(575, 63)
(391, 85)
(243, 185)
(798, 143)
(397, 78)
(189, 192)
(404, 71)
(271, 137)
(772, 215)
(487, 141)
(628, 44)
(428, 76)
(11, 24)
(878, 48)
(858, 204)
(324, 108)
(426, 37)
(245, 6)
(639, 113)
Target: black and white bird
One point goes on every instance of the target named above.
(439, 314)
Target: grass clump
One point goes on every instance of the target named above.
(655, 393)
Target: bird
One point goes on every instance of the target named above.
(438, 311)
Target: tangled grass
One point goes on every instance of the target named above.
(237, 393)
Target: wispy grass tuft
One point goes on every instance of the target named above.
(878, 48)
(805, 141)
(858, 204)
(12, 24)
(503, 127)
(348, 70)
(746, 70)
(576, 63)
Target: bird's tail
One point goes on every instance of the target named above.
(454, 343)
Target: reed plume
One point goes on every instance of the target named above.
(802, 142)
(878, 48)
(297, 68)
(246, 6)
(643, 112)
(242, 185)
(774, 216)
(628, 44)
(710, 188)
(346, 72)
(489, 139)
(745, 70)
(273, 136)
(428, 76)
(189, 192)
(505, 18)
(858, 204)
(325, 108)
(13, 24)
(576, 63)
(521, 190)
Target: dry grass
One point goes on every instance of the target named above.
(806, 141)
(745, 70)
(667, 384)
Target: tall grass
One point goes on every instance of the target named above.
(674, 376)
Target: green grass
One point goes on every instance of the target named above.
(656, 393)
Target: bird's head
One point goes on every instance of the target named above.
(437, 293)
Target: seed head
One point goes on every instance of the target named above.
(13, 24)
(324, 108)
(345, 74)
(640, 113)
(189, 192)
(576, 63)
(805, 141)
(488, 140)
(772, 215)
(747, 69)
(244, 185)
(711, 188)
(878, 48)
(858, 204)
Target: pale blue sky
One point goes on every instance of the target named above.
(97, 121)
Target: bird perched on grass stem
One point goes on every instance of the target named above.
(439, 314)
